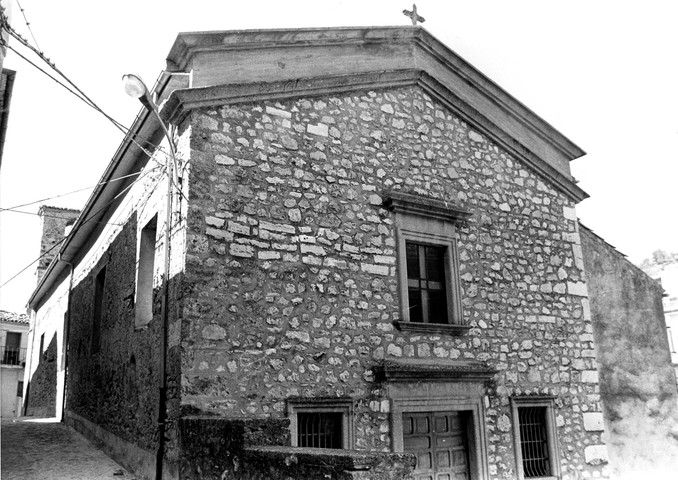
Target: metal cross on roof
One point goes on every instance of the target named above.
(413, 15)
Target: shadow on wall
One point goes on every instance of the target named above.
(41, 393)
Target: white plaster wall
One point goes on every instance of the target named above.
(8, 383)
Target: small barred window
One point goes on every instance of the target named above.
(534, 442)
(319, 429)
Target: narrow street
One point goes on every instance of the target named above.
(44, 449)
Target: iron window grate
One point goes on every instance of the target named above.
(534, 442)
(319, 429)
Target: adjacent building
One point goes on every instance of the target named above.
(368, 265)
(13, 341)
(46, 361)
(637, 380)
(663, 268)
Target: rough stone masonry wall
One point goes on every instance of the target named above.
(291, 267)
(637, 382)
(54, 221)
(117, 388)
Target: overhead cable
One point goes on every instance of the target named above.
(80, 93)
(91, 218)
(75, 191)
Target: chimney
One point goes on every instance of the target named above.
(56, 223)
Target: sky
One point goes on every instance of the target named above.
(603, 73)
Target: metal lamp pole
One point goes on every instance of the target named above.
(136, 88)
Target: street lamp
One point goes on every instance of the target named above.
(136, 88)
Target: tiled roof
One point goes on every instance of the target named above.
(62, 209)
(12, 317)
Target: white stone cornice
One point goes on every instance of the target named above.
(238, 57)
(182, 101)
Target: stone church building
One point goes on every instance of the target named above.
(373, 269)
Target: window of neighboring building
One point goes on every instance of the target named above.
(99, 286)
(321, 423)
(20, 389)
(672, 346)
(143, 304)
(535, 439)
(428, 264)
(12, 351)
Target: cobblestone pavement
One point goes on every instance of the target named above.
(44, 449)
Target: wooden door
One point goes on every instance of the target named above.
(438, 439)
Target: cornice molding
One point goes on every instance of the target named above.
(418, 371)
(182, 101)
(421, 206)
(469, 74)
(187, 44)
(223, 56)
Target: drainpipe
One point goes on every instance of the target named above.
(67, 336)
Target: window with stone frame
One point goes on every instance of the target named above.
(321, 422)
(99, 292)
(426, 285)
(535, 439)
(428, 262)
(143, 304)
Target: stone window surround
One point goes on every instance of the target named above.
(428, 221)
(143, 295)
(536, 401)
(323, 405)
(100, 281)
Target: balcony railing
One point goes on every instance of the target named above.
(14, 356)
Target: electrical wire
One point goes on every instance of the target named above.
(75, 90)
(74, 191)
(53, 66)
(91, 218)
(117, 124)
(28, 25)
(82, 97)
(50, 216)
(80, 94)
(34, 261)
(4, 44)
(148, 196)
